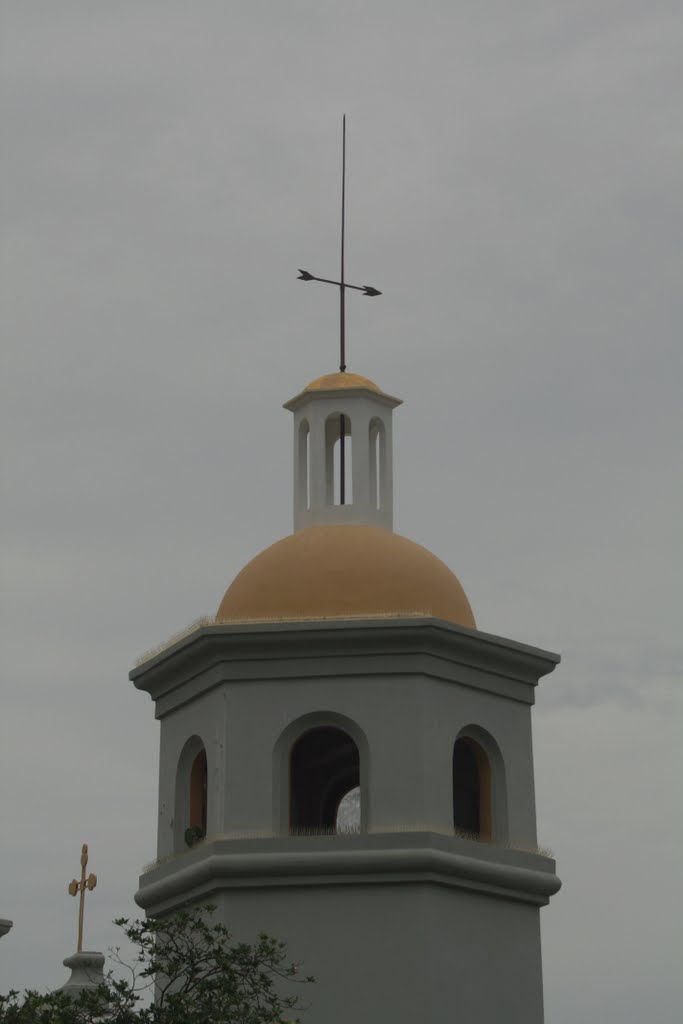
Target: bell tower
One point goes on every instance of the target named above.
(344, 668)
(344, 682)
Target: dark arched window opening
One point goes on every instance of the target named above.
(471, 789)
(198, 793)
(324, 768)
(191, 803)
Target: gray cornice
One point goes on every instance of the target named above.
(244, 652)
(335, 395)
(394, 859)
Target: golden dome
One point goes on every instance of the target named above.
(336, 381)
(343, 571)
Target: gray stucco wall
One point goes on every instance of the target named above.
(400, 954)
(394, 927)
(405, 699)
(410, 724)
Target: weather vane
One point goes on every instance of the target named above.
(304, 275)
(79, 887)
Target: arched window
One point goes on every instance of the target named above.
(304, 468)
(377, 463)
(191, 796)
(198, 792)
(338, 460)
(324, 768)
(471, 788)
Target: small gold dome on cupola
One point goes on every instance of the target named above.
(341, 384)
(334, 381)
(341, 572)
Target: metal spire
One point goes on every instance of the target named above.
(366, 289)
(305, 275)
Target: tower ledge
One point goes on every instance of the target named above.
(399, 858)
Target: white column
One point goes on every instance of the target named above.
(361, 465)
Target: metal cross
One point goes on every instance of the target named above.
(79, 887)
(305, 275)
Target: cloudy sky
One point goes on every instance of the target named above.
(514, 190)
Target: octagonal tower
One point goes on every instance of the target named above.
(344, 668)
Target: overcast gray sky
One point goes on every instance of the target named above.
(514, 190)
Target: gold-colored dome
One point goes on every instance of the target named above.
(336, 381)
(343, 571)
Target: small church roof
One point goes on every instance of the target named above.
(345, 571)
(349, 382)
(335, 381)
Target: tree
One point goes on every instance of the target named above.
(198, 975)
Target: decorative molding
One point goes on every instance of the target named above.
(396, 859)
(246, 652)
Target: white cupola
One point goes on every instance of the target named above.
(342, 453)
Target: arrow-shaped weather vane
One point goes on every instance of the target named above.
(366, 288)
(305, 275)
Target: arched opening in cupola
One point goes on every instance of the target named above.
(338, 460)
(324, 770)
(471, 788)
(377, 463)
(304, 466)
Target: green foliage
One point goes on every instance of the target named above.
(193, 835)
(197, 973)
(57, 1008)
